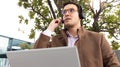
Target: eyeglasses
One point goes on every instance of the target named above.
(71, 10)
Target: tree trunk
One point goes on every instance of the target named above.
(95, 23)
(51, 8)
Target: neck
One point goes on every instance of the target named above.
(73, 31)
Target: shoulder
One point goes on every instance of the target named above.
(93, 35)
(97, 38)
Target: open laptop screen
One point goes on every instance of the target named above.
(45, 57)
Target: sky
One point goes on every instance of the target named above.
(9, 21)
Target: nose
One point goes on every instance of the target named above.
(67, 12)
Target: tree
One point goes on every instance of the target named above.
(104, 19)
(25, 45)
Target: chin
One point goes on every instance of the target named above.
(68, 26)
(67, 22)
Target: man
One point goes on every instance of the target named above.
(93, 48)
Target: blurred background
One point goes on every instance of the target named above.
(21, 21)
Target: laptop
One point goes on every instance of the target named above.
(45, 57)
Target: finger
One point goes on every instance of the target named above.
(58, 20)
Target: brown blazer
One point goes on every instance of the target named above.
(93, 48)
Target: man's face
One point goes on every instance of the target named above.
(71, 16)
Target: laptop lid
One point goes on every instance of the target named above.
(45, 57)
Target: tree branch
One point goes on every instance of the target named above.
(116, 37)
(102, 24)
(91, 9)
(51, 8)
(39, 13)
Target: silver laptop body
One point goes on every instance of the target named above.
(45, 57)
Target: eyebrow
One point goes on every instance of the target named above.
(69, 8)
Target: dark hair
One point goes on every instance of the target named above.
(79, 9)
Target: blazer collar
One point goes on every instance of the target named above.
(80, 32)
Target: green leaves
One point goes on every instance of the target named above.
(115, 45)
(104, 20)
(21, 18)
(25, 46)
(23, 3)
(31, 14)
(32, 34)
(111, 19)
(20, 3)
(26, 21)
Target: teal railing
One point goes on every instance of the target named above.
(9, 44)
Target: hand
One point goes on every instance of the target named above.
(54, 24)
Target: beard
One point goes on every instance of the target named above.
(68, 26)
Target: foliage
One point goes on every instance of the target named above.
(104, 19)
(38, 11)
(115, 45)
(25, 46)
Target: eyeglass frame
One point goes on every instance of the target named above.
(64, 11)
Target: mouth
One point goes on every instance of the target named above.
(67, 19)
